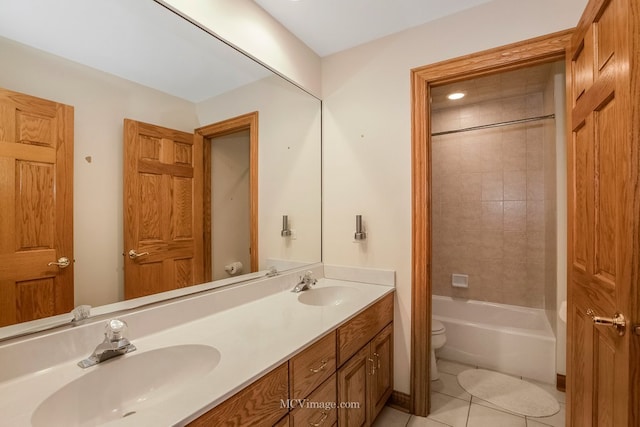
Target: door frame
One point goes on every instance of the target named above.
(248, 122)
(539, 50)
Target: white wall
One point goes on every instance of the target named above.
(289, 166)
(289, 157)
(367, 135)
(101, 102)
(230, 216)
(249, 28)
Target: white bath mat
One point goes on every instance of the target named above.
(509, 393)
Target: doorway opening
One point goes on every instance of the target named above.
(425, 82)
(229, 204)
(498, 180)
(232, 142)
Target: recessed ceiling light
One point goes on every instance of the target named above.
(455, 95)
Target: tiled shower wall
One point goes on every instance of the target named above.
(488, 198)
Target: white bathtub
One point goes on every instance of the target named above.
(507, 338)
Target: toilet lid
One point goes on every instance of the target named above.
(437, 327)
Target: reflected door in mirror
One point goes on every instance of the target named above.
(36, 214)
(162, 209)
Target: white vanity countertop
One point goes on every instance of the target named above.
(252, 339)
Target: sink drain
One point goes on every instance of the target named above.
(128, 413)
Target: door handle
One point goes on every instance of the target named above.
(135, 255)
(617, 321)
(63, 262)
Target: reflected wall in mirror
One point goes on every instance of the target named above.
(117, 59)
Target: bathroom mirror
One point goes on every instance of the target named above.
(120, 59)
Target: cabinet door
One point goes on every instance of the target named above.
(284, 422)
(382, 380)
(353, 379)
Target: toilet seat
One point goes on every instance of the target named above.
(438, 340)
(437, 327)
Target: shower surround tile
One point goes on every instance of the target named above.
(490, 217)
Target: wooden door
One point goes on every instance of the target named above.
(604, 215)
(36, 207)
(353, 383)
(382, 379)
(162, 209)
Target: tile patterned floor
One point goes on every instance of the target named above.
(451, 406)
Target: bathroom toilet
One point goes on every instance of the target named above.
(438, 339)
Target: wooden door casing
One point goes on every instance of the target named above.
(203, 136)
(548, 48)
(603, 227)
(36, 219)
(162, 209)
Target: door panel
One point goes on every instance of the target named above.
(353, 383)
(382, 381)
(163, 209)
(36, 195)
(604, 196)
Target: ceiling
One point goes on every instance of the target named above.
(130, 40)
(330, 26)
(496, 86)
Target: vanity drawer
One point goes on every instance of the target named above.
(258, 404)
(362, 328)
(312, 367)
(319, 408)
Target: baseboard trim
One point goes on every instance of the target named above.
(561, 382)
(400, 401)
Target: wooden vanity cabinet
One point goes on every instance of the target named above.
(357, 332)
(367, 376)
(284, 422)
(352, 387)
(381, 357)
(256, 405)
(362, 352)
(319, 408)
(312, 367)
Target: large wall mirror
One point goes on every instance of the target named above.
(113, 60)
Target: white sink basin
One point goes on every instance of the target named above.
(330, 295)
(125, 385)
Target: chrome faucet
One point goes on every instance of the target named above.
(305, 282)
(114, 344)
(273, 272)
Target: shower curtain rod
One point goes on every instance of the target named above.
(495, 125)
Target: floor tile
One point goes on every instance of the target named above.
(425, 422)
(450, 367)
(390, 417)
(481, 416)
(531, 423)
(557, 420)
(452, 406)
(490, 405)
(449, 410)
(448, 384)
